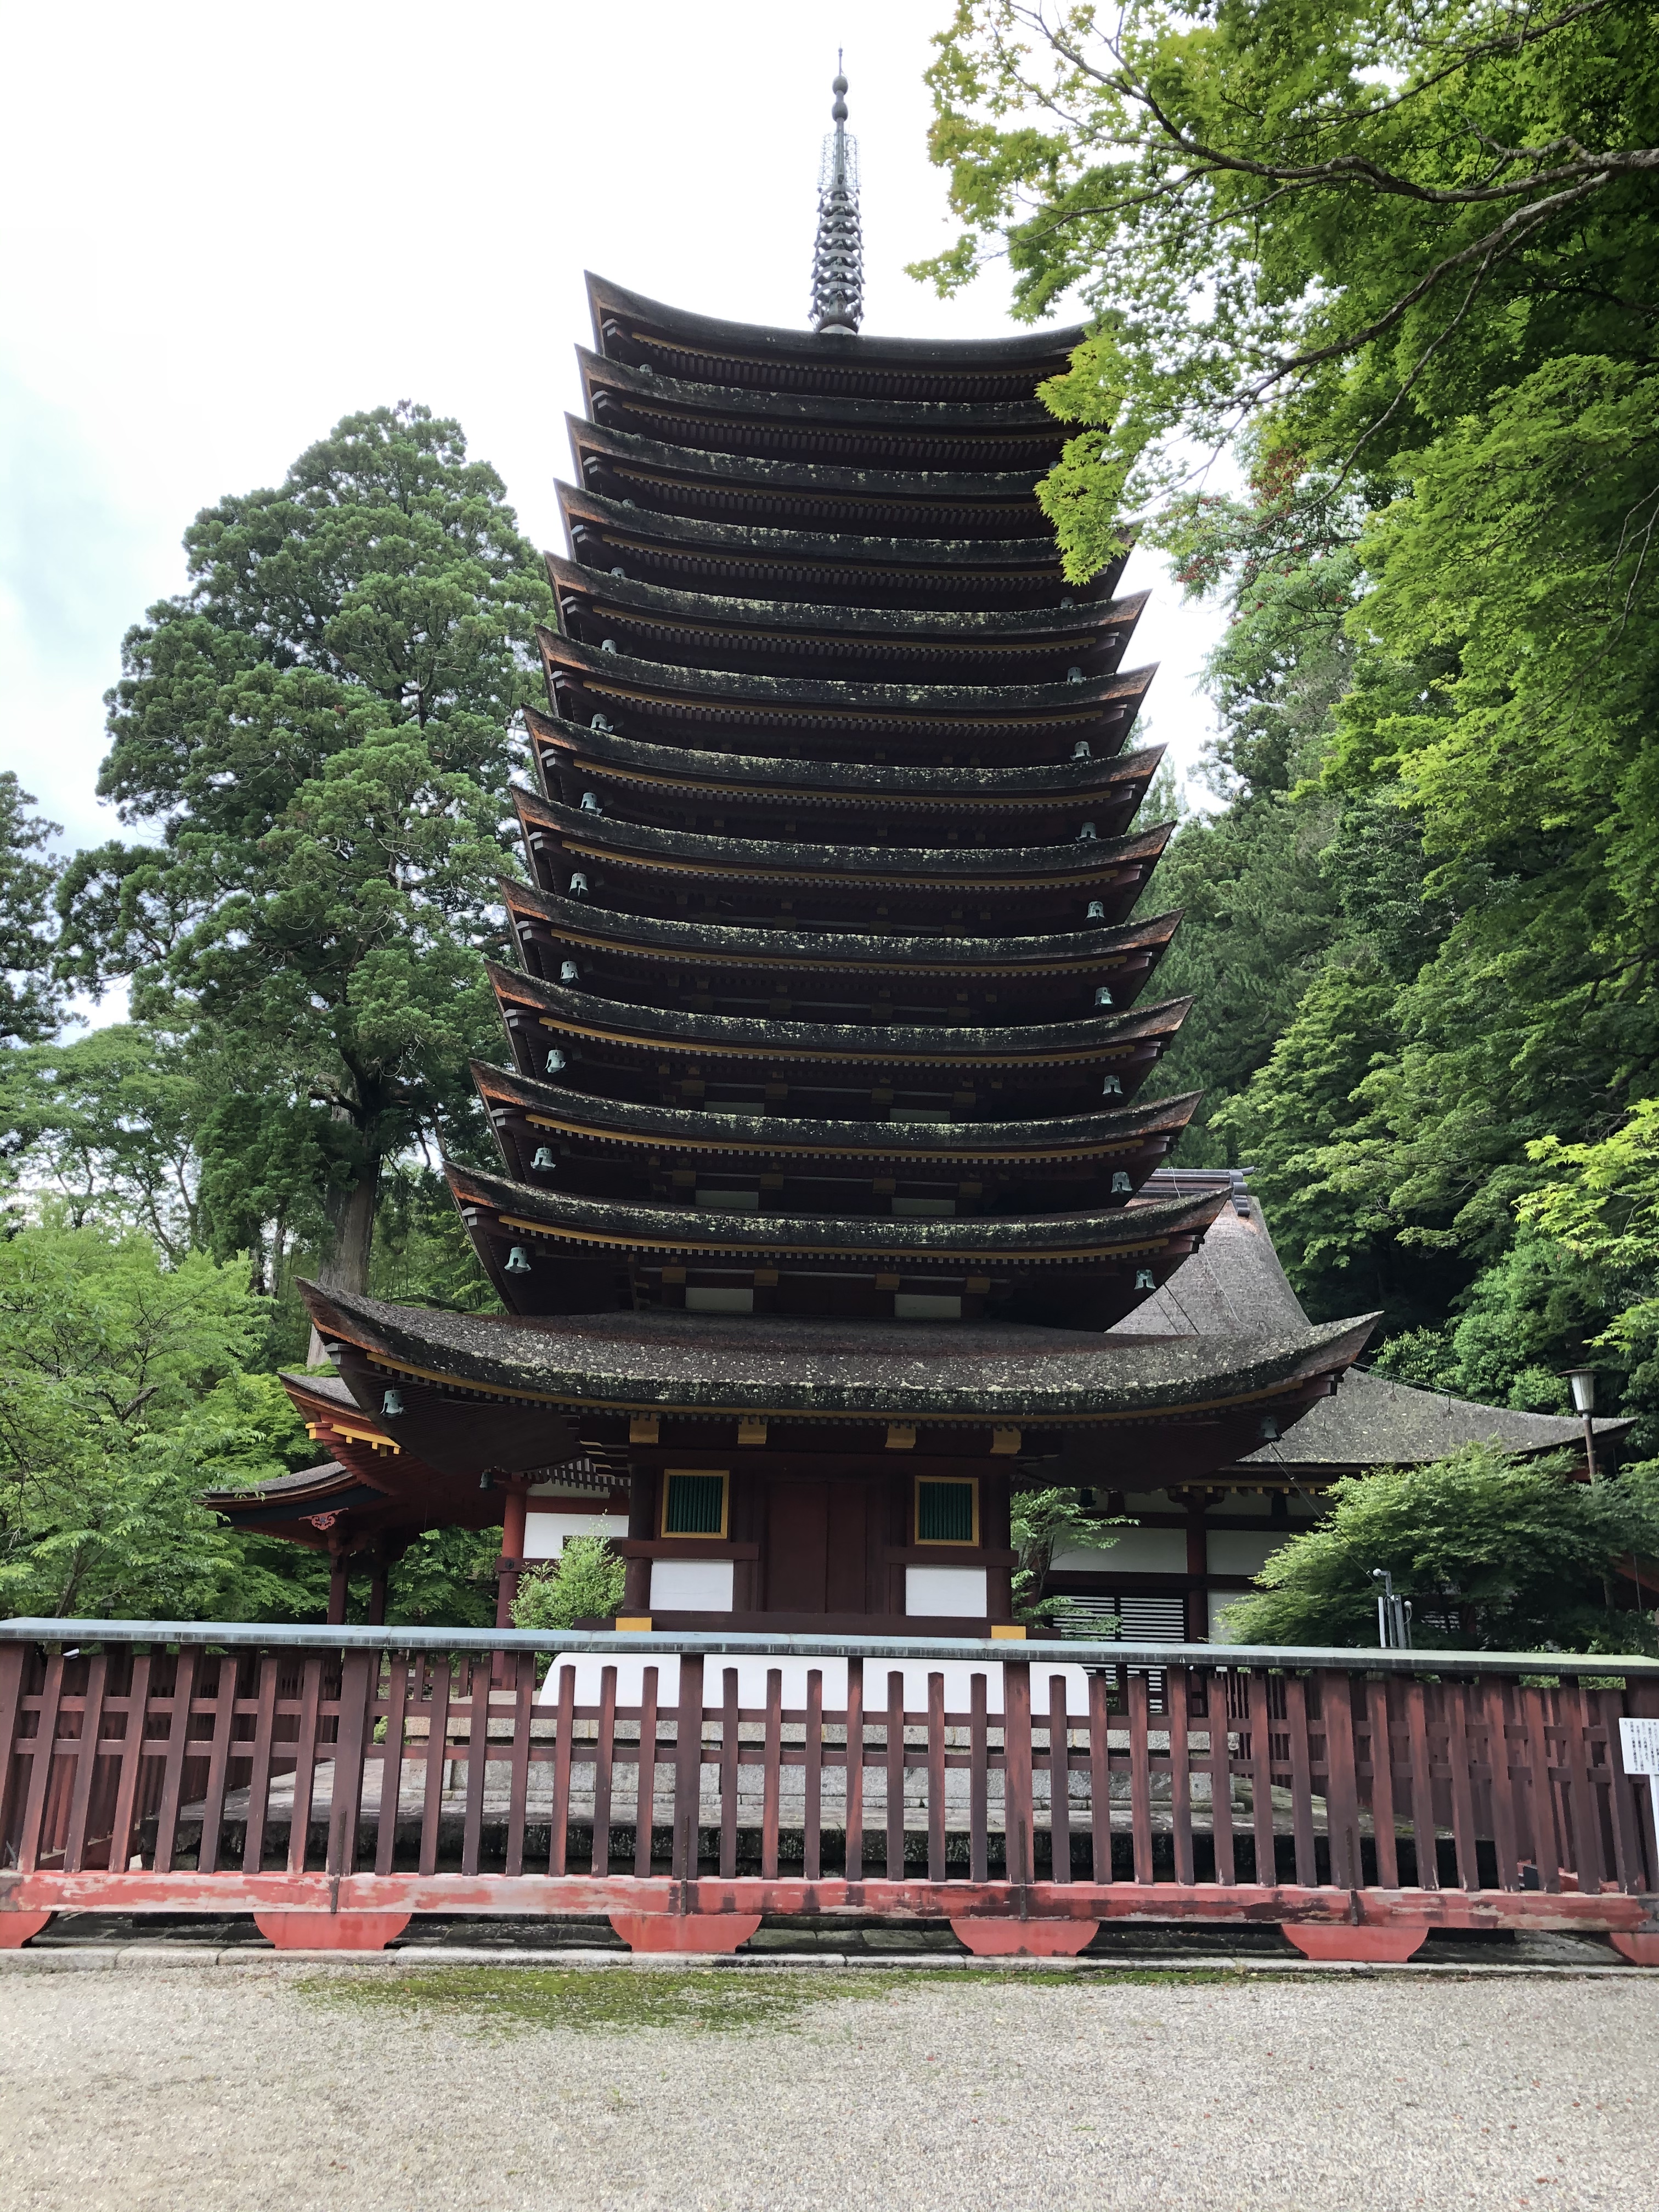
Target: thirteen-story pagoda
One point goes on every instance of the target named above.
(825, 1168)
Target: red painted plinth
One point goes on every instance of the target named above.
(692, 1932)
(16, 1927)
(1386, 1946)
(1025, 1939)
(331, 1931)
(1641, 1949)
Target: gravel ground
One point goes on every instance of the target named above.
(235, 2088)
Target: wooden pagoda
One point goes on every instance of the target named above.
(825, 1164)
(823, 1156)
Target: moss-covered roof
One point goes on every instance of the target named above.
(763, 858)
(1234, 1281)
(1078, 623)
(862, 1370)
(1021, 359)
(957, 1143)
(716, 776)
(845, 953)
(958, 702)
(660, 1229)
(930, 1045)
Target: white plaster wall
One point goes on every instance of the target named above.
(1241, 1551)
(961, 1590)
(544, 1532)
(691, 1585)
(1137, 1551)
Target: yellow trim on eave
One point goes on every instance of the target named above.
(352, 1436)
(726, 1048)
(759, 1255)
(680, 1142)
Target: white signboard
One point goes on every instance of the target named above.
(1639, 1741)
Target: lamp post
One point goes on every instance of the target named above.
(1394, 1614)
(1582, 1380)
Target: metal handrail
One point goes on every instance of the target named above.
(978, 1651)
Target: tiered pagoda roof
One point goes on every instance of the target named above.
(831, 1000)
(824, 1144)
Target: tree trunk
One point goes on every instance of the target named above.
(349, 1209)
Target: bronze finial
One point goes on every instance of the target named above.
(838, 257)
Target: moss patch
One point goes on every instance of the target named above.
(722, 2001)
(590, 1999)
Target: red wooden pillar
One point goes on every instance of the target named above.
(1198, 1569)
(515, 1509)
(339, 1589)
(379, 1569)
(642, 1527)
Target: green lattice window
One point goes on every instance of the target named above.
(693, 1503)
(947, 1512)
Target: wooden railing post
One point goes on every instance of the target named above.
(399, 1667)
(935, 1778)
(1100, 1773)
(172, 1772)
(345, 1796)
(895, 1774)
(645, 1771)
(979, 1781)
(854, 1761)
(812, 1779)
(604, 1758)
(1341, 1780)
(688, 1770)
(40, 1745)
(1016, 1794)
(1140, 1770)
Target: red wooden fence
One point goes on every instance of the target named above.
(334, 1783)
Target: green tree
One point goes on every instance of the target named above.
(585, 1583)
(104, 1125)
(1495, 1554)
(113, 1414)
(316, 739)
(1353, 220)
(1402, 260)
(31, 998)
(1042, 1522)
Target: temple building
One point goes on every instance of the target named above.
(831, 1208)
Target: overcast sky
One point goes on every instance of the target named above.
(223, 227)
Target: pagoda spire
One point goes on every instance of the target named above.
(838, 258)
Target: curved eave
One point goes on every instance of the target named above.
(619, 1122)
(651, 1028)
(651, 325)
(619, 676)
(1084, 623)
(829, 1372)
(755, 777)
(727, 403)
(329, 1488)
(692, 465)
(602, 929)
(1142, 1229)
(280, 1509)
(835, 552)
(973, 871)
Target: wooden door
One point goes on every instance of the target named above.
(796, 1546)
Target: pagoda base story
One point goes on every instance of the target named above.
(804, 1543)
